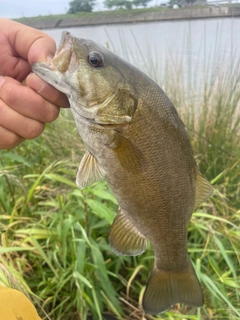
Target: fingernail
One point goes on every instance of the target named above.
(2, 80)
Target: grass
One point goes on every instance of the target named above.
(54, 236)
(97, 14)
(90, 14)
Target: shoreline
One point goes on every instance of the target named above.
(135, 17)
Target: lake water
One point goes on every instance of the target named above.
(196, 45)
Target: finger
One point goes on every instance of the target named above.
(9, 139)
(27, 102)
(47, 91)
(28, 46)
(41, 49)
(13, 66)
(29, 43)
(17, 123)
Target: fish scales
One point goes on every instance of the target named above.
(165, 191)
(135, 140)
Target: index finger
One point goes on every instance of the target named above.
(47, 91)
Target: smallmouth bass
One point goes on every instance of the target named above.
(136, 140)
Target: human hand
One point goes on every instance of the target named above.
(26, 101)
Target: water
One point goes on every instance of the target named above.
(199, 45)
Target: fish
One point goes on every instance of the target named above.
(136, 140)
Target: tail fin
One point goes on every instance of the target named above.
(166, 288)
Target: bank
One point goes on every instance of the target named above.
(104, 18)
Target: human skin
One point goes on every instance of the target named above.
(26, 101)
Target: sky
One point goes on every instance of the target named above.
(29, 8)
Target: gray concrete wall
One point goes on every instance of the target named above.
(174, 14)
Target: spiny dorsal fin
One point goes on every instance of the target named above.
(125, 238)
(203, 190)
(89, 171)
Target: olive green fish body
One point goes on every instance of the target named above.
(158, 197)
(137, 142)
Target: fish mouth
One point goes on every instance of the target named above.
(62, 58)
(53, 71)
(65, 38)
(61, 71)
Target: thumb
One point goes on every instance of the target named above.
(29, 43)
(41, 49)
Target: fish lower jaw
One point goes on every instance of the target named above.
(51, 75)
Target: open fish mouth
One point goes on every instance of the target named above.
(63, 55)
(53, 71)
(65, 39)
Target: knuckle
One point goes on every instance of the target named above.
(10, 141)
(8, 93)
(51, 112)
(34, 130)
(54, 114)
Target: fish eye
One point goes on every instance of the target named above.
(95, 59)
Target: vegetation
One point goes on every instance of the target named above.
(87, 5)
(80, 15)
(191, 2)
(54, 237)
(125, 4)
(81, 6)
(99, 14)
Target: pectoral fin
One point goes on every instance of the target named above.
(125, 238)
(203, 190)
(130, 157)
(89, 171)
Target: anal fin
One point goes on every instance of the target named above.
(125, 238)
(89, 171)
